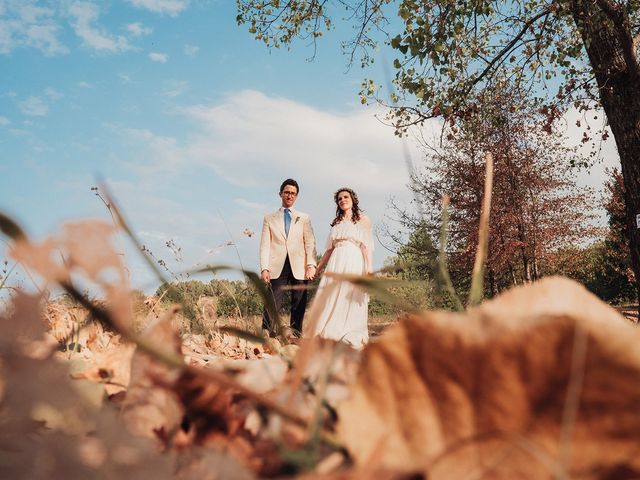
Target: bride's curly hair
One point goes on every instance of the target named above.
(355, 209)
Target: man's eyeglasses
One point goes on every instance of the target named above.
(289, 194)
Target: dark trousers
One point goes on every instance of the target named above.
(298, 299)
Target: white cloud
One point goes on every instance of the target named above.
(159, 57)
(83, 84)
(34, 106)
(191, 50)
(124, 78)
(31, 13)
(53, 94)
(250, 205)
(170, 7)
(7, 42)
(285, 135)
(138, 30)
(84, 15)
(18, 132)
(174, 88)
(44, 38)
(4, 121)
(251, 142)
(28, 25)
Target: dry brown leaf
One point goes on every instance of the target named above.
(262, 375)
(43, 258)
(150, 405)
(112, 367)
(88, 244)
(43, 419)
(204, 464)
(125, 456)
(25, 327)
(485, 393)
(217, 419)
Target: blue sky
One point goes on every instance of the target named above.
(191, 122)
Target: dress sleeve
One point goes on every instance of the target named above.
(366, 232)
(329, 240)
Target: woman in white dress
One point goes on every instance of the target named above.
(340, 309)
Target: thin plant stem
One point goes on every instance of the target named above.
(477, 277)
(225, 286)
(572, 401)
(233, 242)
(12, 230)
(176, 361)
(442, 257)
(122, 223)
(6, 277)
(263, 291)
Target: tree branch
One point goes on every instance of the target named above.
(511, 44)
(620, 20)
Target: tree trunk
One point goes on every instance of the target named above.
(513, 274)
(492, 284)
(609, 46)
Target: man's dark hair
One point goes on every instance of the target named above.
(292, 182)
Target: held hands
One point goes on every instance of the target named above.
(265, 276)
(310, 272)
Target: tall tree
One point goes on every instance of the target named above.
(450, 50)
(616, 255)
(536, 208)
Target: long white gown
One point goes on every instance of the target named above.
(340, 309)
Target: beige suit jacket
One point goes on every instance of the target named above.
(300, 245)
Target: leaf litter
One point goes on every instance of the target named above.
(540, 382)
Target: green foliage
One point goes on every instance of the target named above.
(416, 295)
(563, 54)
(446, 49)
(605, 266)
(415, 262)
(185, 294)
(418, 257)
(596, 267)
(234, 298)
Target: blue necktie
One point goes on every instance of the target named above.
(287, 221)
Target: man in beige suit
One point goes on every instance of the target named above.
(287, 255)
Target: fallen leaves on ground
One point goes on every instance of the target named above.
(541, 382)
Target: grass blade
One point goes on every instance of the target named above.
(442, 256)
(6, 277)
(376, 286)
(263, 290)
(122, 223)
(476, 293)
(11, 229)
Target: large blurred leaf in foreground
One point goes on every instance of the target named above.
(541, 382)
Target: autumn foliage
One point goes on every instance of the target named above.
(535, 384)
(536, 207)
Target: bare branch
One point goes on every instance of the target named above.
(509, 46)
